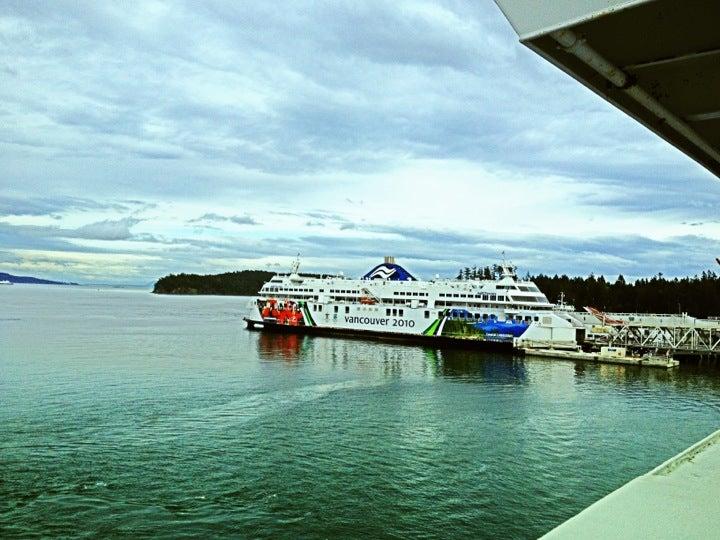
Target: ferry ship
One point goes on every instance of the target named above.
(388, 301)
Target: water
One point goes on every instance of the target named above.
(128, 414)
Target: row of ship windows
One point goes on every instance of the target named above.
(485, 317)
(524, 288)
(477, 305)
(481, 296)
(440, 303)
(395, 312)
(486, 297)
(289, 289)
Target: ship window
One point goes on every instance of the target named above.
(536, 318)
(427, 314)
(319, 308)
(336, 309)
(400, 312)
(456, 295)
(394, 312)
(387, 312)
(347, 309)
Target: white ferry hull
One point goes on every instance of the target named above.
(378, 335)
(416, 324)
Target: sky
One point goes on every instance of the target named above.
(141, 139)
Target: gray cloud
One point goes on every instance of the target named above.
(45, 206)
(45, 237)
(294, 88)
(104, 230)
(212, 217)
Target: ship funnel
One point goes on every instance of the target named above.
(389, 259)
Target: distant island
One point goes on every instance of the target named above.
(31, 280)
(243, 283)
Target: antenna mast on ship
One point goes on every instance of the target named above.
(295, 265)
(506, 268)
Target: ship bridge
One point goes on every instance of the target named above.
(656, 60)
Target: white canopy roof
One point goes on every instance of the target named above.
(657, 60)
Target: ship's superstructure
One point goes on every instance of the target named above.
(390, 300)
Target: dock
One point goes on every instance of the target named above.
(674, 500)
(649, 361)
(678, 334)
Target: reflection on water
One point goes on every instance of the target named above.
(395, 360)
(473, 366)
(279, 346)
(392, 359)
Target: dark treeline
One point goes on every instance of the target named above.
(244, 283)
(698, 296)
(488, 272)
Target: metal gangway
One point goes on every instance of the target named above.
(674, 333)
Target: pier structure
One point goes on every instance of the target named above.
(681, 334)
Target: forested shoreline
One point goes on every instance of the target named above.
(242, 283)
(698, 295)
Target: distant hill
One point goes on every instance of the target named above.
(243, 283)
(32, 280)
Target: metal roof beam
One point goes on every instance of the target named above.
(571, 43)
(672, 59)
(656, 60)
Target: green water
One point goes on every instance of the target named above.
(128, 414)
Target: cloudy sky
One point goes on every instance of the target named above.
(138, 140)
